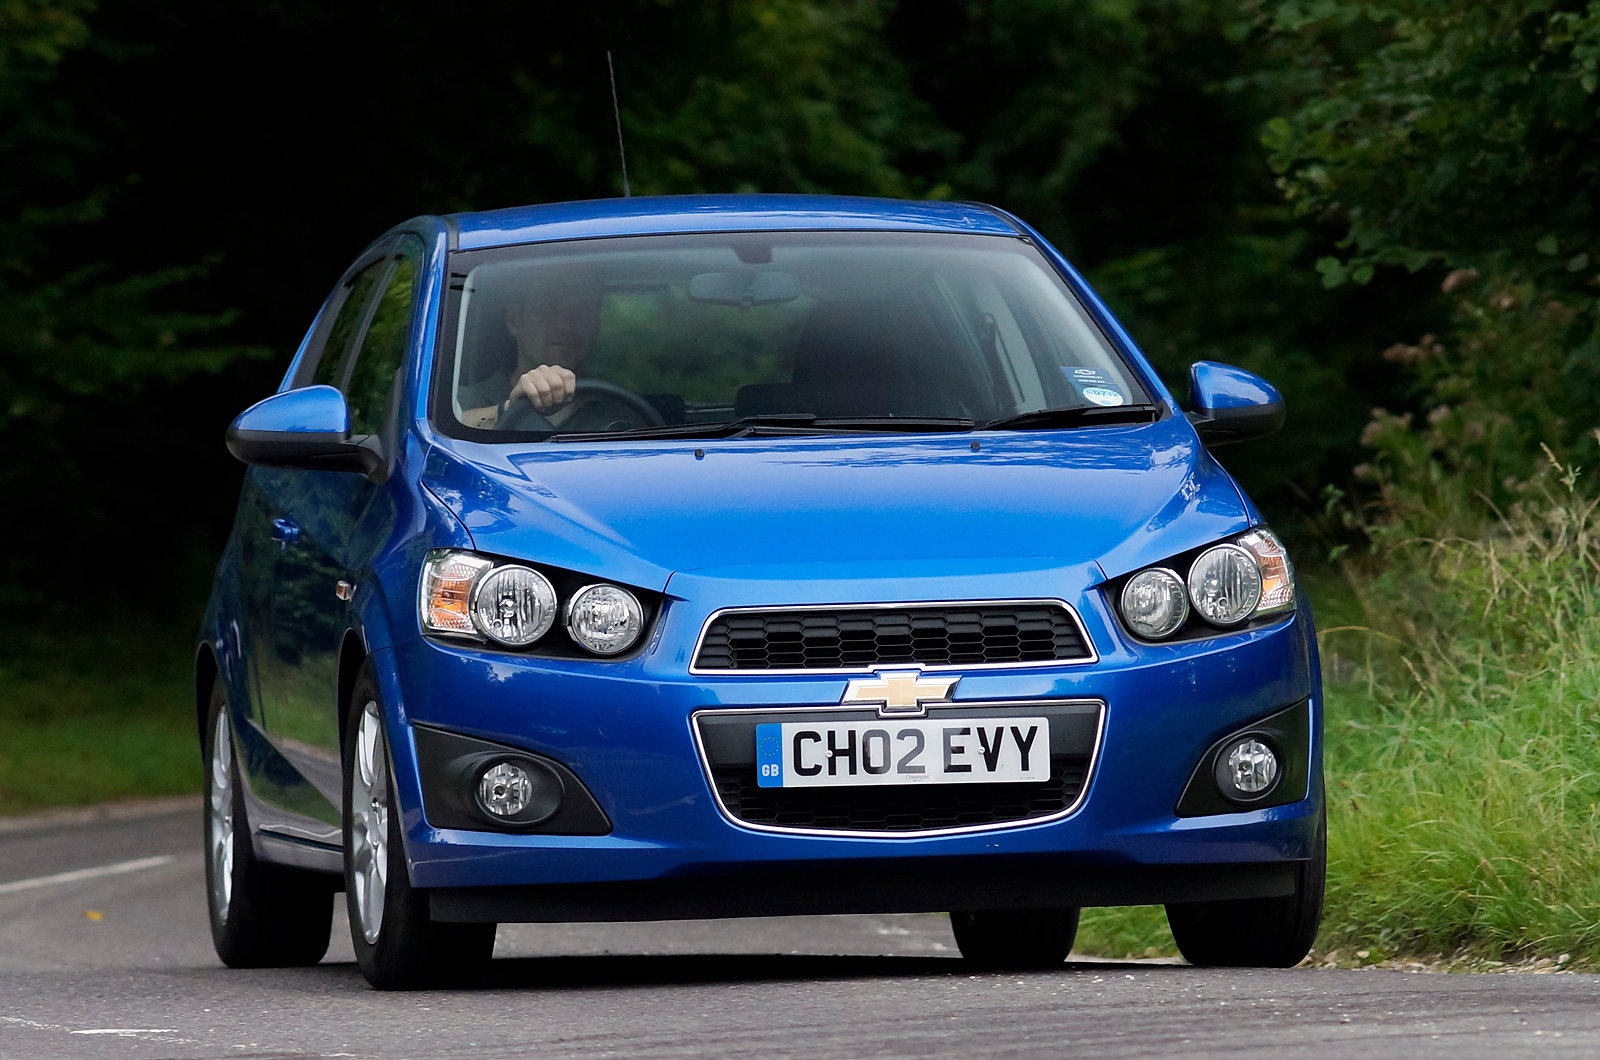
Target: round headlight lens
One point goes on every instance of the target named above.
(604, 619)
(504, 789)
(1247, 770)
(1154, 604)
(514, 606)
(1225, 585)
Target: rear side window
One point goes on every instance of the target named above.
(383, 350)
(347, 325)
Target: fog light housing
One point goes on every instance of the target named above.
(1247, 770)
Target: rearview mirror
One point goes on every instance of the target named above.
(306, 428)
(1231, 404)
(744, 289)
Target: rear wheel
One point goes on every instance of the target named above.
(397, 943)
(1016, 938)
(1257, 932)
(262, 915)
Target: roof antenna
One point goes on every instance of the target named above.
(627, 193)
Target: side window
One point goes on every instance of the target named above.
(347, 325)
(384, 348)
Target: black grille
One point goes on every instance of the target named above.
(912, 807)
(850, 638)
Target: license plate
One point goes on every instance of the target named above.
(947, 751)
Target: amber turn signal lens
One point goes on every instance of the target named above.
(446, 598)
(1277, 573)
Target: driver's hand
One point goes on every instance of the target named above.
(547, 386)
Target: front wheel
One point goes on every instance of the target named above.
(397, 943)
(262, 915)
(1016, 939)
(1257, 932)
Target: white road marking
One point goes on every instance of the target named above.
(118, 869)
(121, 1032)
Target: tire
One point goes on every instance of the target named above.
(1016, 939)
(1257, 932)
(262, 915)
(397, 943)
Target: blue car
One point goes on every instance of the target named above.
(667, 558)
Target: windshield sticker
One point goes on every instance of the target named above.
(1094, 386)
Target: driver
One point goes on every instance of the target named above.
(553, 330)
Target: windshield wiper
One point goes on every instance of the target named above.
(775, 424)
(1076, 416)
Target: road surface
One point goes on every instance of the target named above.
(104, 952)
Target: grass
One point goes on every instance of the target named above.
(87, 719)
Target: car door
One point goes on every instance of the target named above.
(275, 665)
(340, 518)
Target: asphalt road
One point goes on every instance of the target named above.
(121, 966)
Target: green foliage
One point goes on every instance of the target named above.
(1507, 379)
(80, 332)
(1444, 130)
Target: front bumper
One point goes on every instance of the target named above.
(626, 730)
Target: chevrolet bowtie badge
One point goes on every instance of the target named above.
(899, 691)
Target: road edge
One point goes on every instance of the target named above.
(66, 816)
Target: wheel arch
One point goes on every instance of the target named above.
(352, 655)
(206, 670)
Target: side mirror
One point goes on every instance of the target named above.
(307, 428)
(1231, 404)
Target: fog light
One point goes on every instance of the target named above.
(604, 619)
(1247, 770)
(504, 789)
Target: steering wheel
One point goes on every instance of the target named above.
(520, 415)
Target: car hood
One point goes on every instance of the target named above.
(1108, 499)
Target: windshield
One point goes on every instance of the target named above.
(779, 332)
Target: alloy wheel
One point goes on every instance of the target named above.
(222, 817)
(369, 821)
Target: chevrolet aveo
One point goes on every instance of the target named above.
(673, 558)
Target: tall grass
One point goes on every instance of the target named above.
(1464, 796)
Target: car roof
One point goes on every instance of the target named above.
(656, 214)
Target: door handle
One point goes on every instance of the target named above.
(285, 532)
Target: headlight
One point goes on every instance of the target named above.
(447, 579)
(604, 619)
(513, 605)
(1225, 585)
(1153, 603)
(1277, 573)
